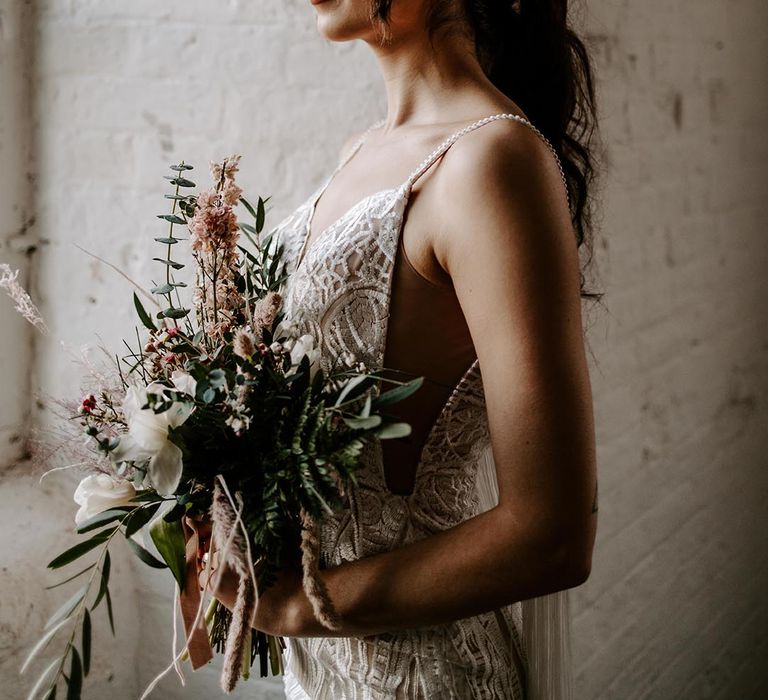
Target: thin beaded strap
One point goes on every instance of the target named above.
(358, 143)
(445, 145)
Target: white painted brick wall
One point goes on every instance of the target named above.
(673, 607)
(16, 224)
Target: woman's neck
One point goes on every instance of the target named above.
(432, 84)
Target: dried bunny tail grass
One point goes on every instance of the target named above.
(228, 527)
(244, 343)
(265, 310)
(313, 586)
(23, 302)
(239, 630)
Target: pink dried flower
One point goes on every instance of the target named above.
(214, 238)
(231, 193)
(230, 165)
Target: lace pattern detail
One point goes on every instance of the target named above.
(339, 291)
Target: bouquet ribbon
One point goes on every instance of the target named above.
(198, 644)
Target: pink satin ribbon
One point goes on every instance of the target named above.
(199, 646)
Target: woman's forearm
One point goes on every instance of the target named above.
(483, 563)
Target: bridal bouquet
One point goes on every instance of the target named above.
(218, 411)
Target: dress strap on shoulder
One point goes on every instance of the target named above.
(445, 145)
(360, 141)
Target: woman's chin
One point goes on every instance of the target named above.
(342, 21)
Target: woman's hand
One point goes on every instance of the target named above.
(280, 609)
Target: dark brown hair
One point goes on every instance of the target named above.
(531, 54)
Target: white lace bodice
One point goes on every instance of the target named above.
(339, 291)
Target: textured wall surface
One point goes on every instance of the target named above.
(680, 371)
(17, 241)
(673, 607)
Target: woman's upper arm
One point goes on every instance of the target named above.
(506, 239)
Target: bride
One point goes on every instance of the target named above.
(444, 243)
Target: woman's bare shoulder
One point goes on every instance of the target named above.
(503, 172)
(503, 151)
(502, 198)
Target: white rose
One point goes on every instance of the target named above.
(100, 492)
(147, 437)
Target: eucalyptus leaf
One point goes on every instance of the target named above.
(168, 240)
(393, 430)
(162, 289)
(180, 181)
(363, 423)
(171, 263)
(173, 218)
(173, 313)
(398, 393)
(217, 378)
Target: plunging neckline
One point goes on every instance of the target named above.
(306, 249)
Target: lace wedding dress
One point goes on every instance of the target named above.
(339, 291)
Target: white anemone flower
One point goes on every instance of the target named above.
(147, 437)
